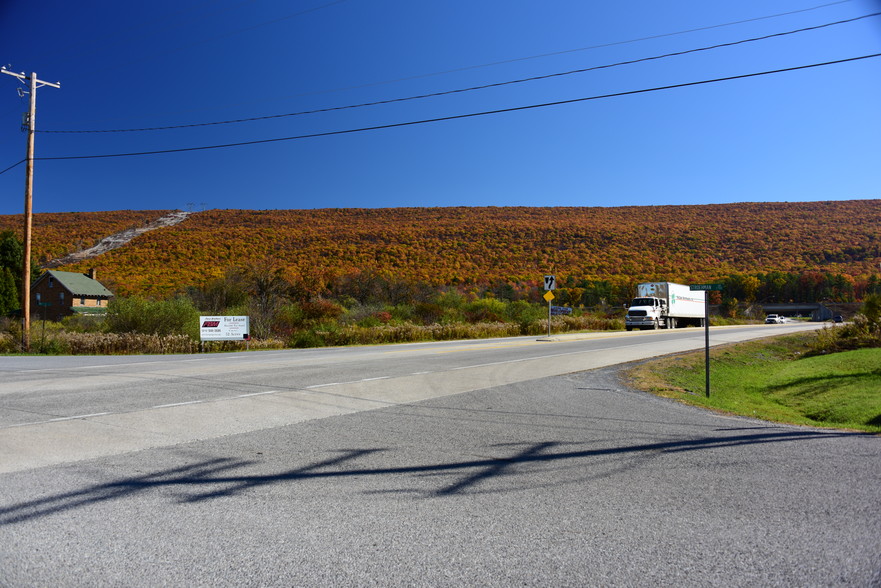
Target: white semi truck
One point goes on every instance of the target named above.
(665, 304)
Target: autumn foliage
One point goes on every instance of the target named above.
(59, 233)
(462, 246)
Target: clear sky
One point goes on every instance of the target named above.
(810, 134)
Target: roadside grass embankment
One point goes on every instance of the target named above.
(782, 379)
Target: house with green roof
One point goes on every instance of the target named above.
(56, 295)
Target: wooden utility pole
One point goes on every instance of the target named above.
(28, 203)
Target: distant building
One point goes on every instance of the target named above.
(56, 295)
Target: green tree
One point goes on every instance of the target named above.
(8, 292)
(872, 310)
(11, 256)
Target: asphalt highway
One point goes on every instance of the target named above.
(60, 409)
(492, 463)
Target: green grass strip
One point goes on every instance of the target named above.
(775, 380)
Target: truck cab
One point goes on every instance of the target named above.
(646, 312)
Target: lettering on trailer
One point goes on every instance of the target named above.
(674, 298)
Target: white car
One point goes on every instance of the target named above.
(773, 319)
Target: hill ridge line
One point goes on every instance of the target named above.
(117, 240)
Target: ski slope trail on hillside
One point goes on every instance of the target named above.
(117, 240)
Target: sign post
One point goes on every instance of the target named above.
(705, 288)
(43, 337)
(550, 284)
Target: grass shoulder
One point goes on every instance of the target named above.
(777, 379)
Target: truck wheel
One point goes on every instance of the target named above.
(629, 328)
(655, 326)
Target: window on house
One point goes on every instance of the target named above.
(51, 281)
(61, 296)
(82, 301)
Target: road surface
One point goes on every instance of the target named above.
(490, 463)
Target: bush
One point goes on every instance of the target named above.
(485, 310)
(177, 316)
(864, 331)
(119, 344)
(84, 323)
(524, 313)
(319, 310)
(9, 343)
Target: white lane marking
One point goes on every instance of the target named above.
(57, 420)
(79, 416)
(179, 404)
(313, 386)
(256, 394)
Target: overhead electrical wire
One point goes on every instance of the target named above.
(13, 166)
(468, 115)
(473, 88)
(530, 57)
(616, 43)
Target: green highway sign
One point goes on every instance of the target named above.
(706, 287)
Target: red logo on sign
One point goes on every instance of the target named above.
(210, 324)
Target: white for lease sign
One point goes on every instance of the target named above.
(224, 328)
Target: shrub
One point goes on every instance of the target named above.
(863, 331)
(9, 343)
(524, 313)
(84, 323)
(176, 316)
(485, 310)
(318, 310)
(428, 313)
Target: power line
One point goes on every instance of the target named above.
(13, 166)
(468, 115)
(627, 42)
(530, 57)
(473, 88)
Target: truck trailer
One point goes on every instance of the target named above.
(665, 305)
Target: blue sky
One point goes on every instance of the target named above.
(802, 135)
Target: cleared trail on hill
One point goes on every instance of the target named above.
(117, 240)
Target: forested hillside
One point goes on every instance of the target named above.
(57, 234)
(482, 246)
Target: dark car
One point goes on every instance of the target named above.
(838, 318)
